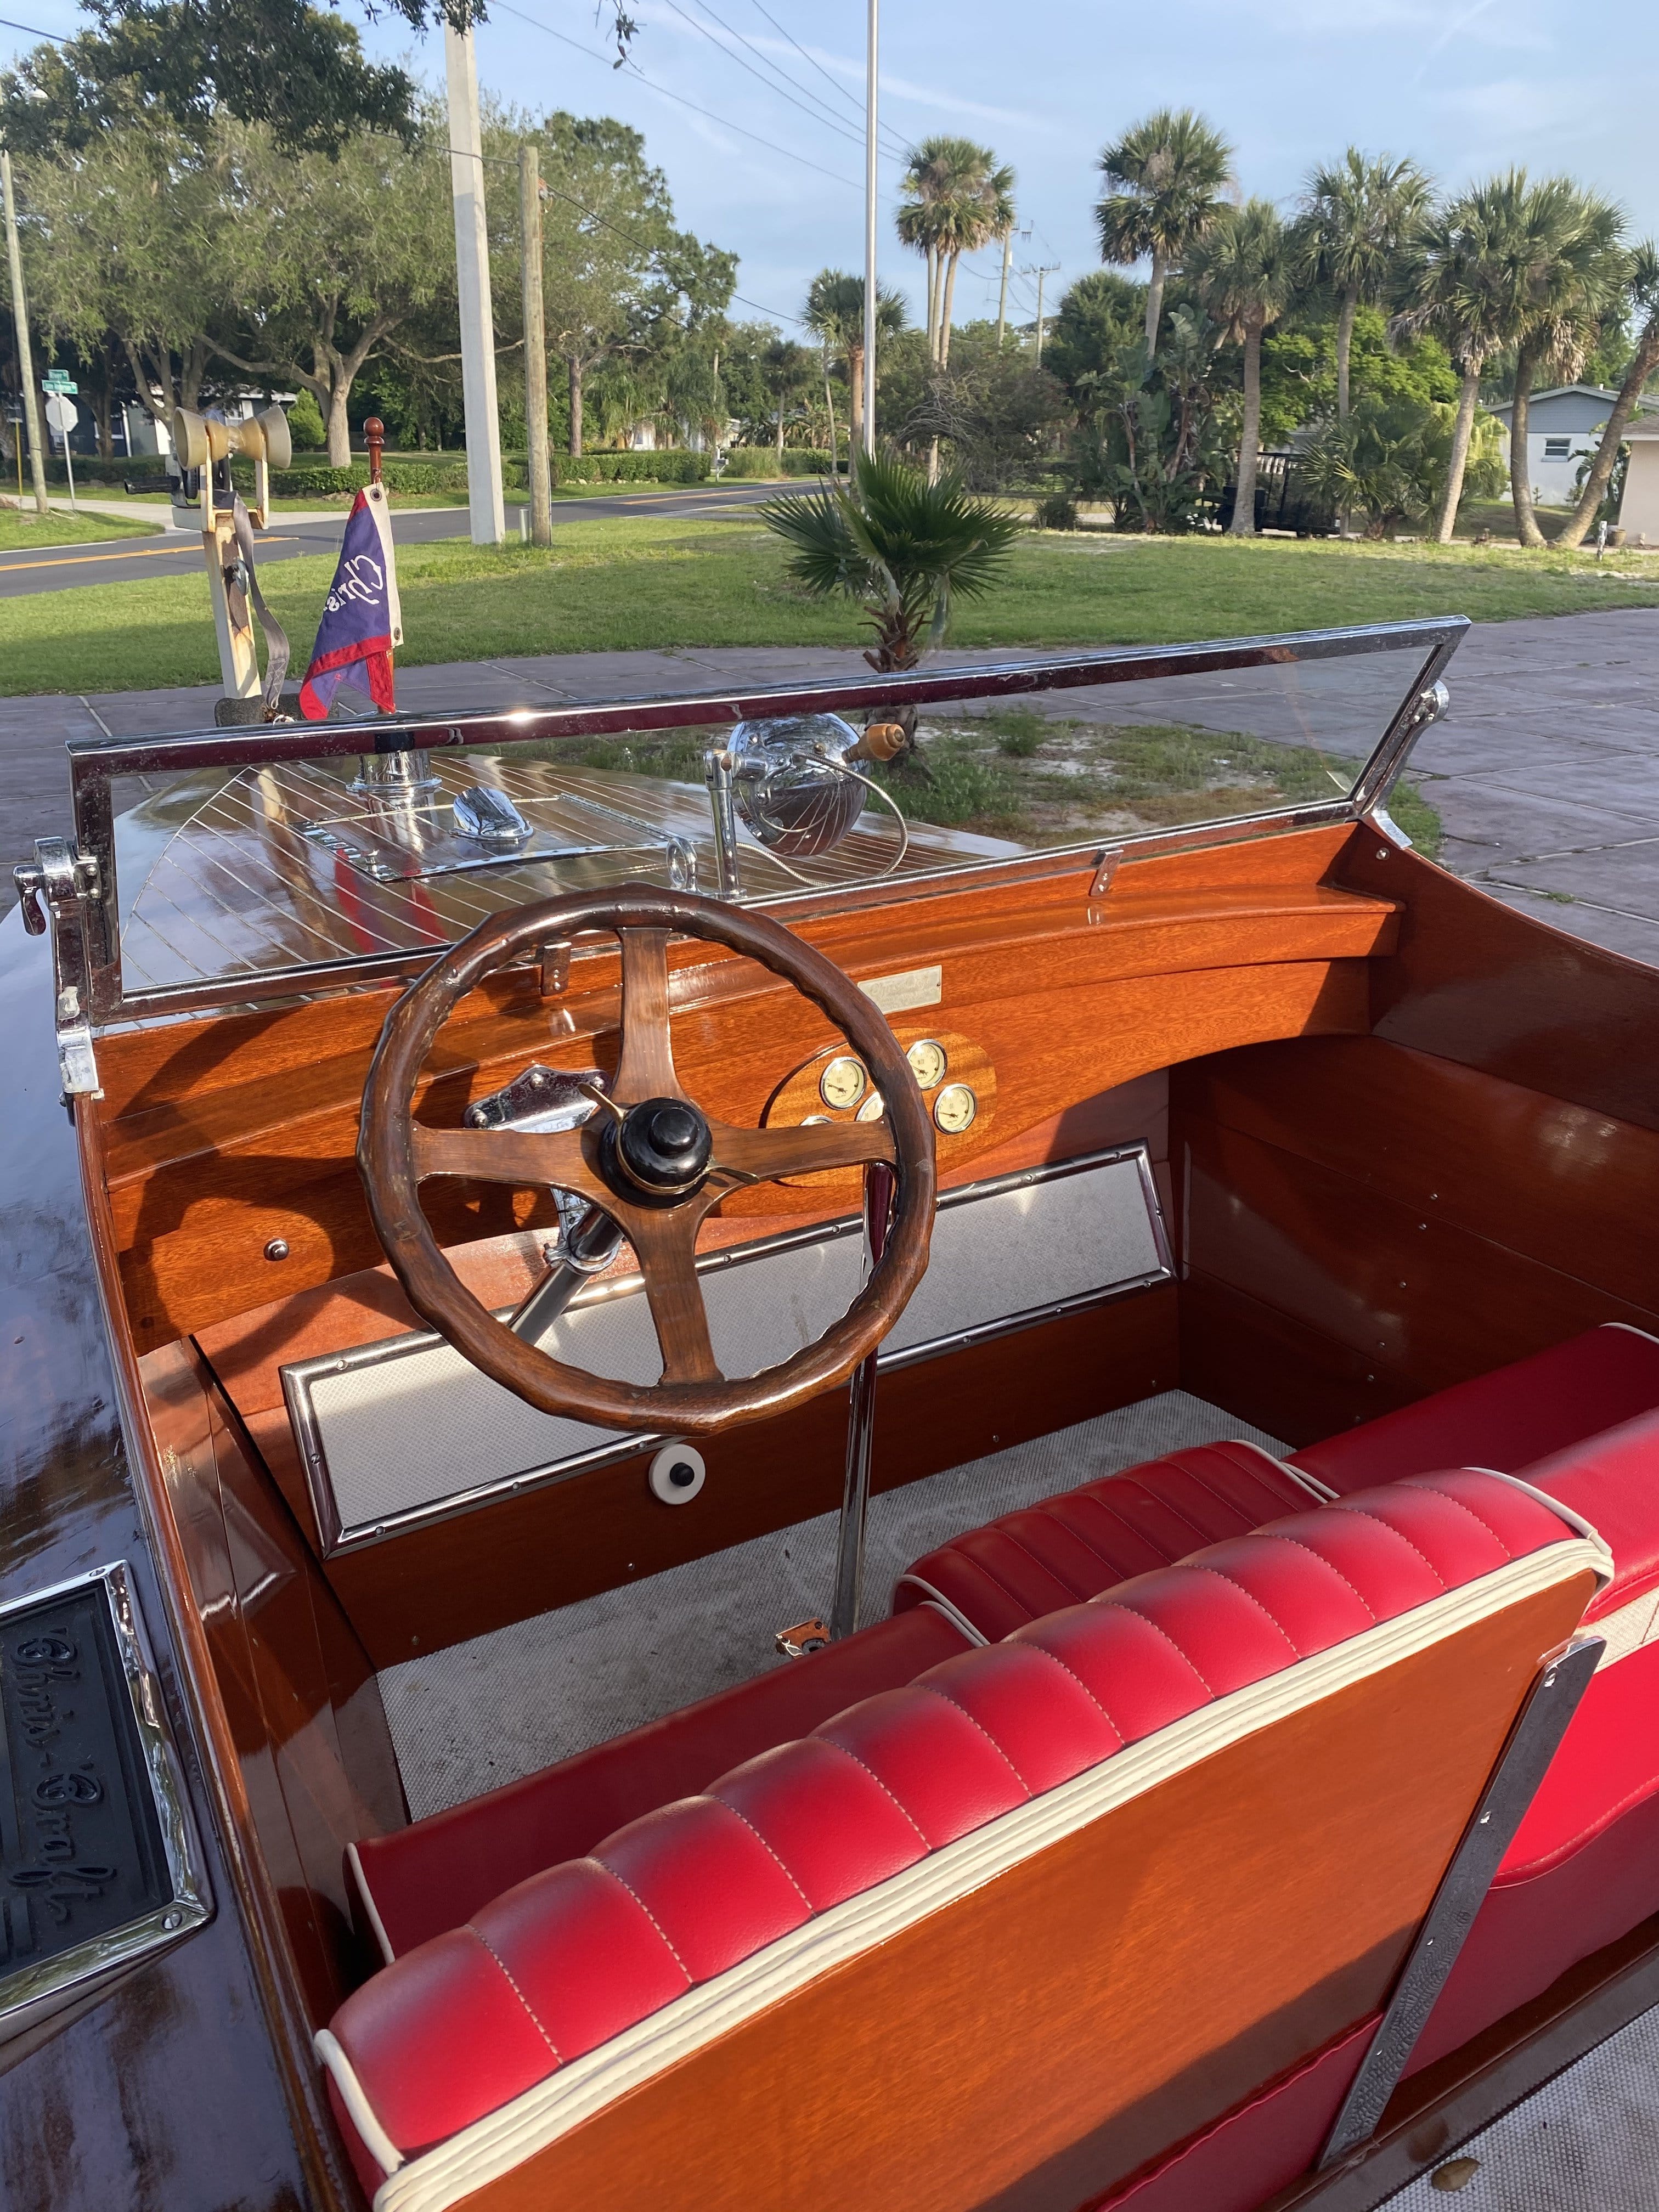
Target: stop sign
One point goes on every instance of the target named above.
(62, 414)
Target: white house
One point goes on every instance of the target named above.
(1564, 427)
(1638, 511)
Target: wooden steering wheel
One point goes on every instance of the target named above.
(654, 1161)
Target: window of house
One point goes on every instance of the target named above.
(1558, 449)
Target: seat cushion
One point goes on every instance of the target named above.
(583, 1952)
(1072, 1547)
(1506, 1420)
(418, 1881)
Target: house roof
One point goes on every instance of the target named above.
(1647, 404)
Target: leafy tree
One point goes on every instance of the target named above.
(618, 279)
(1357, 215)
(905, 549)
(1241, 271)
(1000, 412)
(305, 425)
(125, 240)
(1298, 369)
(1151, 441)
(1644, 294)
(1165, 176)
(1099, 314)
(333, 256)
(834, 315)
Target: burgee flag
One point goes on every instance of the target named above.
(362, 620)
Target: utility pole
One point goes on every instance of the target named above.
(1047, 269)
(535, 348)
(872, 59)
(25, 357)
(484, 432)
(1002, 296)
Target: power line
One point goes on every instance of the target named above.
(593, 54)
(816, 112)
(896, 149)
(57, 36)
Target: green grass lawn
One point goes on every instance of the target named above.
(24, 529)
(621, 585)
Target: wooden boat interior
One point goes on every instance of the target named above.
(1271, 1139)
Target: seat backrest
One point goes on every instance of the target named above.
(1006, 1935)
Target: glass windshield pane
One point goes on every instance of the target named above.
(235, 871)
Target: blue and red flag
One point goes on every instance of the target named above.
(362, 620)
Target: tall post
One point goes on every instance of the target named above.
(535, 348)
(1045, 271)
(483, 434)
(375, 439)
(1002, 296)
(24, 353)
(871, 87)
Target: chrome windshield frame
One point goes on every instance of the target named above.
(96, 762)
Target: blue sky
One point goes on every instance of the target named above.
(1466, 86)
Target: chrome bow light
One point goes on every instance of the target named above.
(792, 781)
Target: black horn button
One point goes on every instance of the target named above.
(660, 1150)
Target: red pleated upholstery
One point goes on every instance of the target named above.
(1613, 1479)
(1077, 1543)
(560, 1964)
(1506, 1420)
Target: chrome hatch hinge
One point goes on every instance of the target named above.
(56, 890)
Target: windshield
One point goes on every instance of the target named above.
(244, 859)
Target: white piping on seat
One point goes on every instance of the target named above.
(371, 1910)
(1310, 1483)
(940, 1603)
(1631, 1329)
(378, 2143)
(1562, 1513)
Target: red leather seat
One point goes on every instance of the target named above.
(1079, 1543)
(1507, 1419)
(577, 1956)
(418, 1881)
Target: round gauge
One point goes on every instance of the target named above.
(927, 1062)
(843, 1082)
(873, 1108)
(814, 1121)
(955, 1107)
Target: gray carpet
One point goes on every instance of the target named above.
(1587, 2141)
(480, 1714)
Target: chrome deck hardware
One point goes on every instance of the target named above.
(55, 890)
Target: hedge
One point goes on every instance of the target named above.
(670, 464)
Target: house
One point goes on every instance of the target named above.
(1638, 511)
(1563, 427)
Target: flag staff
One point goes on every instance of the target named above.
(873, 41)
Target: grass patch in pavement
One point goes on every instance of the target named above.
(24, 531)
(621, 585)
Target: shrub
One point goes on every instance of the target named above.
(1018, 730)
(670, 465)
(1057, 511)
(305, 425)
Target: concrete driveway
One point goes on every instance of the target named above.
(1545, 772)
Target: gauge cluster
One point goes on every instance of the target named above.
(953, 1074)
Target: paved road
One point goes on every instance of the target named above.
(61, 568)
(1545, 773)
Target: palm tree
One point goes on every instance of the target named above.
(1241, 271)
(903, 548)
(834, 315)
(1462, 287)
(956, 199)
(1644, 292)
(1356, 217)
(787, 368)
(1168, 173)
(1569, 269)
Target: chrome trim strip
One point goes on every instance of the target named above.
(35, 1989)
(298, 1378)
(94, 761)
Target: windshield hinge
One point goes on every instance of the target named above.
(56, 889)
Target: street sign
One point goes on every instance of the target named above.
(62, 414)
(59, 379)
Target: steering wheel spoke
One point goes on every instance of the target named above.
(665, 1246)
(527, 1159)
(764, 1155)
(646, 1069)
